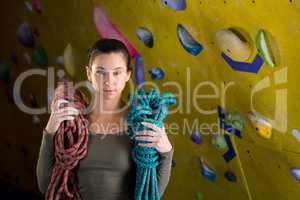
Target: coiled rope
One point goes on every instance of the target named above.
(153, 108)
(70, 143)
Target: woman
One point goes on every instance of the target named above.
(108, 171)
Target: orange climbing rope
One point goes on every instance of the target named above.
(70, 142)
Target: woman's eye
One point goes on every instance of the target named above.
(101, 72)
(117, 73)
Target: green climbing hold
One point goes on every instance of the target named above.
(199, 196)
(264, 50)
(219, 142)
(5, 72)
(39, 57)
(234, 119)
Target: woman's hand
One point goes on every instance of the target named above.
(59, 115)
(157, 137)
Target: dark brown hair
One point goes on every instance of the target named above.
(106, 46)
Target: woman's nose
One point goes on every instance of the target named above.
(108, 79)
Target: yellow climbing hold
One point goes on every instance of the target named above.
(233, 45)
(261, 124)
(69, 60)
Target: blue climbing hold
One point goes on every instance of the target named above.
(60, 60)
(230, 176)
(296, 134)
(156, 73)
(230, 130)
(139, 70)
(177, 5)
(251, 67)
(145, 36)
(296, 173)
(187, 41)
(207, 171)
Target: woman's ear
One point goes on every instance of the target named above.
(88, 73)
(128, 75)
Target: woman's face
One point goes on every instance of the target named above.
(108, 74)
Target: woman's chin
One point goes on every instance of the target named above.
(106, 97)
(109, 95)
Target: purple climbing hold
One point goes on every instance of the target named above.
(25, 36)
(196, 137)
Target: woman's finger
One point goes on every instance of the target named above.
(64, 88)
(58, 103)
(152, 126)
(65, 118)
(67, 109)
(68, 113)
(149, 133)
(147, 144)
(148, 139)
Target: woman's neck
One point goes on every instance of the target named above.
(108, 107)
(115, 116)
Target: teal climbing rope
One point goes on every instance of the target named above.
(153, 108)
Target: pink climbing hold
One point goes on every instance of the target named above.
(107, 29)
(37, 6)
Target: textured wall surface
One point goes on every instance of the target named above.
(262, 166)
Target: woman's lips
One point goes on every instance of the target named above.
(109, 91)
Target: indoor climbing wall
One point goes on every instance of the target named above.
(233, 65)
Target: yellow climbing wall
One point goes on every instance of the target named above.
(262, 166)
